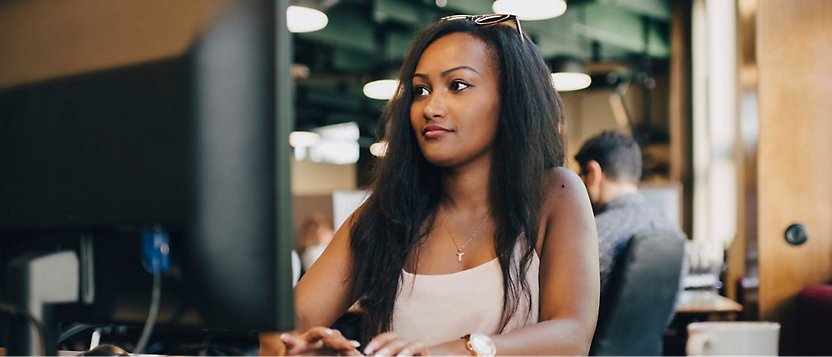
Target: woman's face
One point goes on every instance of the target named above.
(456, 101)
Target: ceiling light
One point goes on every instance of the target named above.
(382, 89)
(339, 144)
(340, 132)
(569, 81)
(531, 10)
(305, 19)
(335, 152)
(333, 144)
(378, 149)
(302, 139)
(569, 74)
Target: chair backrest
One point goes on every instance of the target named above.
(639, 300)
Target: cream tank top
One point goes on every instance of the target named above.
(440, 308)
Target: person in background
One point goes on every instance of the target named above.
(610, 167)
(315, 234)
(475, 240)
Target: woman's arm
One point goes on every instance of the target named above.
(569, 278)
(322, 295)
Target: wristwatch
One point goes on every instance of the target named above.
(480, 345)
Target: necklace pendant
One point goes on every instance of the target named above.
(459, 255)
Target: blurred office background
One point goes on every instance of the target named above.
(729, 100)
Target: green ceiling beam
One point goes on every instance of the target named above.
(656, 9)
(334, 98)
(659, 41)
(622, 29)
(347, 59)
(412, 13)
(556, 37)
(618, 25)
(346, 28)
(553, 47)
(396, 44)
(606, 24)
(470, 6)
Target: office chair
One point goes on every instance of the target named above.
(639, 301)
(814, 311)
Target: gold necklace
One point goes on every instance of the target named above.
(460, 249)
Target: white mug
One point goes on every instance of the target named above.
(733, 338)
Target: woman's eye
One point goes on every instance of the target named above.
(420, 91)
(458, 85)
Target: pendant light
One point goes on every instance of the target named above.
(569, 74)
(305, 18)
(381, 89)
(530, 10)
(385, 84)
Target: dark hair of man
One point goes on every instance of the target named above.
(407, 190)
(618, 155)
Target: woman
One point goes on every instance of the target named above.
(315, 235)
(471, 194)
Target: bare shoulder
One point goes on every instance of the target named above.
(566, 210)
(565, 189)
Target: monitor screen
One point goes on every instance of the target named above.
(195, 145)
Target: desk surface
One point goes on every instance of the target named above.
(705, 302)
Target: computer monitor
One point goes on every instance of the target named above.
(195, 145)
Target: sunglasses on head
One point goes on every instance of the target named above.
(489, 20)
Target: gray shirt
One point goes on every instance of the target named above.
(618, 221)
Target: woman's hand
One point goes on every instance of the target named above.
(388, 344)
(317, 341)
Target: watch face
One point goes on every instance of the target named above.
(483, 345)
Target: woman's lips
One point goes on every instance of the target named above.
(433, 131)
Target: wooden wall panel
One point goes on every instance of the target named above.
(679, 111)
(45, 39)
(795, 153)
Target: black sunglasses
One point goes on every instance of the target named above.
(489, 20)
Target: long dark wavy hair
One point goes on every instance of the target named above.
(406, 189)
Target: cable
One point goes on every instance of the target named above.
(151, 314)
(203, 349)
(10, 309)
(155, 258)
(75, 330)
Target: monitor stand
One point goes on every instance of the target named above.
(35, 283)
